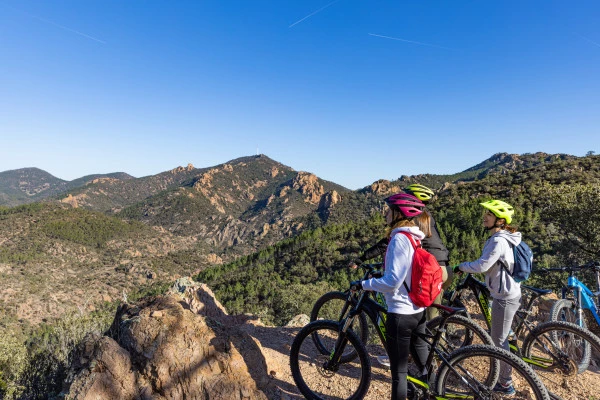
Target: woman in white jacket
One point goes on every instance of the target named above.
(403, 317)
(497, 262)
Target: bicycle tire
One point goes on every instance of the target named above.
(554, 396)
(317, 313)
(304, 356)
(528, 380)
(453, 337)
(553, 333)
(565, 310)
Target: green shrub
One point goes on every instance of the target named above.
(13, 361)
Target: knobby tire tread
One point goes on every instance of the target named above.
(551, 327)
(534, 381)
(354, 341)
(361, 319)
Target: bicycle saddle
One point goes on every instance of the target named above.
(538, 291)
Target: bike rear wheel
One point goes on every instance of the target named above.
(334, 306)
(557, 349)
(460, 331)
(468, 374)
(317, 376)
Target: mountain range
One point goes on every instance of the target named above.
(266, 238)
(74, 244)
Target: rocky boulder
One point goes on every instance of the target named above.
(179, 346)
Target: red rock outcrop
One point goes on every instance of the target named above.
(177, 346)
(308, 184)
(189, 168)
(383, 187)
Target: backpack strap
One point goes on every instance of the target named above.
(504, 266)
(414, 245)
(512, 247)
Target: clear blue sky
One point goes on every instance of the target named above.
(351, 90)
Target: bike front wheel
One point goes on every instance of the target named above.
(317, 376)
(565, 310)
(467, 375)
(335, 306)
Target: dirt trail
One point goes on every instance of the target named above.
(276, 343)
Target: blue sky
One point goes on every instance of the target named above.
(351, 90)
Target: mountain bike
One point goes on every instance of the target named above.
(336, 305)
(554, 349)
(466, 373)
(577, 300)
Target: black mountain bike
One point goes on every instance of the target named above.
(336, 305)
(554, 349)
(466, 373)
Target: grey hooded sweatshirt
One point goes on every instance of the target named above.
(496, 253)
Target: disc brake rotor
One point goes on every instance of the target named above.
(322, 361)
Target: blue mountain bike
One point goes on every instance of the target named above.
(578, 300)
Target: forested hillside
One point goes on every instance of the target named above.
(299, 270)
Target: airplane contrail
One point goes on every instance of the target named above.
(410, 41)
(589, 40)
(60, 26)
(313, 13)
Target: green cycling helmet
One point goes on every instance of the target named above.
(500, 209)
(421, 192)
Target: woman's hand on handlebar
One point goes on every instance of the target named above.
(356, 285)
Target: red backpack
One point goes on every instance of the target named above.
(426, 277)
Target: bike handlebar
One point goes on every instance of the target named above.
(371, 267)
(595, 265)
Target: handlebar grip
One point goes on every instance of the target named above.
(370, 267)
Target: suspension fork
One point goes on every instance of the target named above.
(577, 294)
(342, 339)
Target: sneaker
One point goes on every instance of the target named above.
(508, 389)
(384, 361)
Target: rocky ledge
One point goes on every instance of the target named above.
(179, 346)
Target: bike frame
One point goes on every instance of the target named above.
(582, 296)
(378, 316)
(482, 294)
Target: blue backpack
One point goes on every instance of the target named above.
(523, 262)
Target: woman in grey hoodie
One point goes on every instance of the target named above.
(497, 262)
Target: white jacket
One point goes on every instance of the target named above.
(398, 269)
(497, 252)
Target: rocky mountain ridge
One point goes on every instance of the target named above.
(240, 204)
(120, 190)
(26, 185)
(497, 164)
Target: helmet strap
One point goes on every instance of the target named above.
(501, 226)
(494, 226)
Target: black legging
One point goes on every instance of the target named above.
(399, 329)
